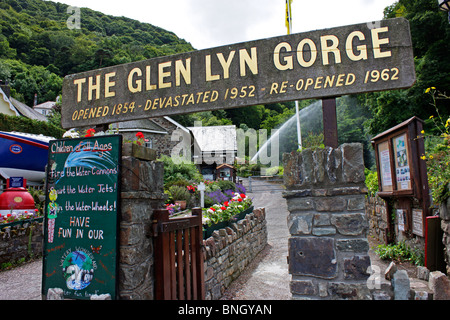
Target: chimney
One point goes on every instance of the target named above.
(5, 88)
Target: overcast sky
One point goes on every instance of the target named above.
(212, 23)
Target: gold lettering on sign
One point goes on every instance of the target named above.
(330, 48)
(312, 50)
(250, 61)
(288, 63)
(377, 42)
(92, 87)
(79, 84)
(361, 48)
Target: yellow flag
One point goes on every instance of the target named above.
(288, 16)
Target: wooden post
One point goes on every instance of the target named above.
(197, 212)
(330, 134)
(162, 291)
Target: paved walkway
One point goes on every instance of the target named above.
(22, 283)
(267, 277)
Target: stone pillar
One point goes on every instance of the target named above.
(328, 247)
(142, 192)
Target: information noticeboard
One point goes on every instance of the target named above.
(82, 206)
(402, 169)
(418, 222)
(385, 166)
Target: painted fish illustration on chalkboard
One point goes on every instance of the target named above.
(97, 161)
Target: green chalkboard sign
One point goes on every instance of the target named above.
(81, 219)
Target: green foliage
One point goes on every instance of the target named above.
(400, 252)
(226, 185)
(179, 193)
(371, 181)
(22, 124)
(313, 141)
(37, 49)
(437, 148)
(430, 34)
(183, 171)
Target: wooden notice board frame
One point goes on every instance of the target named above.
(401, 148)
(402, 174)
(82, 216)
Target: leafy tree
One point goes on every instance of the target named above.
(430, 32)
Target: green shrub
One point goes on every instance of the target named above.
(400, 252)
(371, 181)
(183, 171)
(226, 185)
(179, 193)
(22, 124)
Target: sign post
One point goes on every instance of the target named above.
(82, 206)
(318, 64)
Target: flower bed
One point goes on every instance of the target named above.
(219, 216)
(16, 218)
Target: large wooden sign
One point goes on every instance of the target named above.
(82, 205)
(325, 63)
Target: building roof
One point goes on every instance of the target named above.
(225, 165)
(46, 105)
(215, 138)
(144, 125)
(26, 111)
(21, 108)
(5, 97)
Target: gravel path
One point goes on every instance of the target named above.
(22, 283)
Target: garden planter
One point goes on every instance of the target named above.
(139, 152)
(182, 204)
(208, 230)
(242, 214)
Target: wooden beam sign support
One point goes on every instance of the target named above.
(330, 134)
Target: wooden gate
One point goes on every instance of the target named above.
(179, 270)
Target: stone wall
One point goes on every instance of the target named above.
(142, 192)
(444, 214)
(228, 251)
(163, 143)
(21, 241)
(377, 214)
(328, 247)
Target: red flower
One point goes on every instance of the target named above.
(239, 200)
(8, 215)
(242, 196)
(213, 209)
(223, 208)
(140, 135)
(226, 204)
(90, 133)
